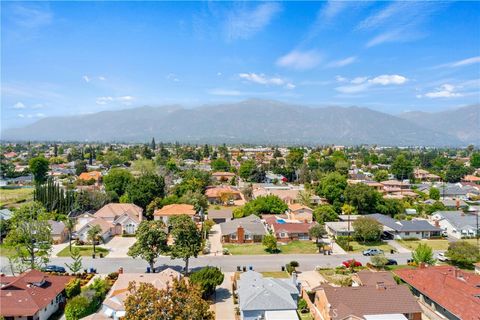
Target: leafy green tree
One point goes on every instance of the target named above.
(270, 243)
(475, 160)
(455, 172)
(151, 242)
(77, 308)
(434, 193)
(193, 180)
(73, 288)
(187, 239)
(93, 235)
(294, 157)
(247, 169)
(423, 254)
(39, 167)
(76, 264)
(367, 229)
(144, 189)
(30, 235)
(117, 180)
(379, 261)
(332, 187)
(91, 200)
(381, 175)
(207, 279)
(364, 198)
(317, 232)
(390, 207)
(325, 213)
(463, 253)
(220, 164)
(80, 166)
(402, 168)
(270, 204)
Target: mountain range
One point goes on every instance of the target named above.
(261, 122)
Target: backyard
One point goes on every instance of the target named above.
(294, 247)
(84, 251)
(10, 197)
(435, 244)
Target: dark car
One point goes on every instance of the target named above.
(52, 268)
(391, 262)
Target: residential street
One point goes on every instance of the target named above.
(226, 263)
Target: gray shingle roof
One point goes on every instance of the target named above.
(251, 224)
(458, 219)
(403, 225)
(258, 293)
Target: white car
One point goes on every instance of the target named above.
(441, 257)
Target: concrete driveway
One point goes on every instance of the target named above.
(224, 307)
(118, 246)
(215, 238)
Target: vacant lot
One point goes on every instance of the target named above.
(434, 243)
(84, 251)
(14, 197)
(294, 247)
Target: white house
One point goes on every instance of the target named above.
(456, 224)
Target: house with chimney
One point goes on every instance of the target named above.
(444, 292)
(405, 229)
(32, 295)
(248, 229)
(456, 224)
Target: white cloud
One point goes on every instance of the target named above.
(243, 23)
(224, 92)
(444, 91)
(219, 74)
(19, 105)
(102, 78)
(172, 77)
(360, 84)
(341, 79)
(126, 100)
(290, 86)
(86, 78)
(387, 79)
(342, 62)
(31, 16)
(461, 63)
(21, 115)
(261, 78)
(300, 60)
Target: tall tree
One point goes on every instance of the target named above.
(364, 198)
(76, 264)
(151, 242)
(207, 279)
(187, 239)
(153, 145)
(117, 180)
(463, 253)
(402, 168)
(180, 300)
(39, 167)
(93, 234)
(325, 213)
(317, 232)
(144, 189)
(367, 229)
(30, 235)
(80, 166)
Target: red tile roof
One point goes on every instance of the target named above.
(19, 297)
(454, 290)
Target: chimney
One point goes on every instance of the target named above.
(437, 224)
(120, 270)
(422, 265)
(240, 234)
(458, 204)
(380, 285)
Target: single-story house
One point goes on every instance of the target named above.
(424, 175)
(471, 178)
(261, 297)
(286, 232)
(223, 176)
(91, 175)
(224, 195)
(32, 295)
(174, 210)
(244, 230)
(339, 228)
(456, 224)
(300, 212)
(59, 231)
(113, 305)
(220, 215)
(453, 203)
(370, 278)
(404, 229)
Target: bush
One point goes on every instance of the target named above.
(302, 305)
(113, 276)
(342, 241)
(207, 279)
(73, 288)
(77, 308)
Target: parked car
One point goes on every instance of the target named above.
(391, 262)
(442, 257)
(349, 263)
(53, 268)
(372, 252)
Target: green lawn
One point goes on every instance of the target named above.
(13, 197)
(305, 316)
(359, 247)
(6, 251)
(275, 274)
(294, 247)
(84, 251)
(435, 244)
(397, 267)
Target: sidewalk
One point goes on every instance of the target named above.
(224, 307)
(56, 248)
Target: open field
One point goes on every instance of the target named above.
(84, 251)
(294, 247)
(14, 197)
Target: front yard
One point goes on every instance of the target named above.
(276, 274)
(435, 244)
(84, 251)
(294, 247)
(359, 247)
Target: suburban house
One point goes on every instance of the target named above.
(113, 305)
(267, 298)
(424, 175)
(300, 213)
(339, 228)
(286, 232)
(471, 178)
(454, 203)
(444, 290)
(380, 301)
(220, 215)
(91, 175)
(286, 193)
(370, 278)
(404, 229)
(244, 230)
(59, 231)
(174, 210)
(31, 295)
(113, 219)
(456, 224)
(223, 176)
(224, 195)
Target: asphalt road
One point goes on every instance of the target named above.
(226, 263)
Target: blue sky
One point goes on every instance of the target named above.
(67, 58)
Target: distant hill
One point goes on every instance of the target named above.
(463, 123)
(250, 121)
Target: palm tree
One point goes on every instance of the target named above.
(93, 235)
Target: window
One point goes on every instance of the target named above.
(407, 233)
(233, 236)
(283, 235)
(248, 237)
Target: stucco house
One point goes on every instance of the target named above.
(300, 213)
(405, 229)
(166, 212)
(456, 224)
(244, 230)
